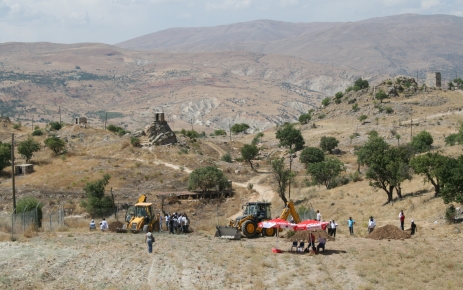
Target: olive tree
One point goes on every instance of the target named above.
(206, 178)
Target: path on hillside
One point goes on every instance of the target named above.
(216, 148)
(428, 117)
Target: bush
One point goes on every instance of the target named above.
(360, 84)
(453, 139)
(355, 107)
(326, 102)
(239, 128)
(111, 128)
(389, 110)
(321, 116)
(328, 143)
(135, 141)
(55, 144)
(17, 126)
(450, 213)
(37, 132)
(55, 126)
(226, 158)
(220, 132)
(29, 203)
(305, 118)
(206, 178)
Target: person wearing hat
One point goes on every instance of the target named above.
(92, 225)
(412, 228)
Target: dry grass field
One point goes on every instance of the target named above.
(74, 258)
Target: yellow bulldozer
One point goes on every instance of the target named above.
(140, 217)
(253, 213)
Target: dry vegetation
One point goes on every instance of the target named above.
(71, 257)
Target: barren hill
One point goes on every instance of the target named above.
(206, 89)
(399, 44)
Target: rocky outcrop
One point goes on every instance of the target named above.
(159, 133)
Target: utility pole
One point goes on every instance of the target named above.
(32, 127)
(59, 111)
(229, 129)
(290, 163)
(12, 171)
(191, 122)
(417, 78)
(411, 129)
(105, 120)
(114, 204)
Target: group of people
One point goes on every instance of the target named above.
(176, 223)
(311, 247)
(103, 225)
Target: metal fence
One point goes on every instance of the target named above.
(307, 214)
(19, 223)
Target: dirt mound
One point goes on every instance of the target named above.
(388, 232)
(114, 225)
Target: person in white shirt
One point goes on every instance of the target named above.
(149, 240)
(104, 225)
(92, 225)
(334, 225)
(319, 216)
(371, 224)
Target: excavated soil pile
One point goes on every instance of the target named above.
(114, 225)
(389, 232)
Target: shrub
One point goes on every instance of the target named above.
(37, 132)
(388, 110)
(220, 132)
(239, 128)
(305, 118)
(226, 158)
(453, 139)
(17, 126)
(135, 141)
(321, 116)
(55, 126)
(29, 203)
(450, 213)
(55, 144)
(355, 107)
(360, 84)
(326, 102)
(207, 178)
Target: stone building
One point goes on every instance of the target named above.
(81, 120)
(434, 80)
(159, 132)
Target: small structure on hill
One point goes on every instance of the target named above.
(434, 80)
(159, 132)
(23, 169)
(81, 120)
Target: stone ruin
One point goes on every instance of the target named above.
(159, 132)
(434, 80)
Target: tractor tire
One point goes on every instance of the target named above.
(145, 228)
(249, 229)
(268, 232)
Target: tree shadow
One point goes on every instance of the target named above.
(417, 193)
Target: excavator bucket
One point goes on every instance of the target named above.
(231, 233)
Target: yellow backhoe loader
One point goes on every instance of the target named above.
(253, 213)
(140, 217)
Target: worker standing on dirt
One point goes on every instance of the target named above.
(402, 219)
(334, 225)
(167, 221)
(171, 225)
(160, 222)
(412, 228)
(350, 223)
(149, 239)
(371, 225)
(319, 216)
(104, 225)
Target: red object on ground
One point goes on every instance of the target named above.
(311, 225)
(275, 250)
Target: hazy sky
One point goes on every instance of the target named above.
(112, 21)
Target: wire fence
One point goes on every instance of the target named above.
(18, 223)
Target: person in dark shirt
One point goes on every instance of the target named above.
(412, 228)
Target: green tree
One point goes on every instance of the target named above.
(249, 152)
(27, 148)
(305, 118)
(5, 155)
(451, 175)
(238, 128)
(326, 102)
(29, 203)
(55, 126)
(431, 166)
(360, 84)
(37, 132)
(55, 144)
(311, 155)
(422, 142)
(207, 178)
(290, 137)
(387, 166)
(362, 118)
(325, 172)
(281, 177)
(328, 143)
(97, 203)
(257, 138)
(381, 95)
(453, 139)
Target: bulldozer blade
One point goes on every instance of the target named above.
(121, 230)
(228, 233)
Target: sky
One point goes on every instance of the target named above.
(113, 21)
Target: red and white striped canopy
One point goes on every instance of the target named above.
(311, 225)
(276, 223)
